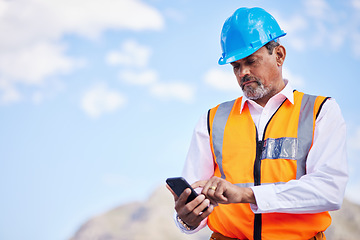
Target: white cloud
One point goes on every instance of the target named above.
(337, 38)
(173, 91)
(33, 30)
(131, 54)
(3, 7)
(91, 17)
(295, 24)
(356, 4)
(221, 80)
(46, 91)
(321, 25)
(293, 27)
(29, 21)
(100, 99)
(33, 64)
(317, 8)
(38, 97)
(8, 94)
(298, 43)
(174, 14)
(296, 81)
(134, 58)
(142, 78)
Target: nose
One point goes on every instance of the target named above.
(242, 71)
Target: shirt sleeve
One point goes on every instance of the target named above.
(323, 187)
(199, 164)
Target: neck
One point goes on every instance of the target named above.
(262, 101)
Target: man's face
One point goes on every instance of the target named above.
(258, 74)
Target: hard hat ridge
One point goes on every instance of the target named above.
(246, 31)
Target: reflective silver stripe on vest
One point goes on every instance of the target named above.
(220, 119)
(252, 184)
(305, 133)
(281, 148)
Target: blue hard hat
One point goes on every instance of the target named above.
(246, 31)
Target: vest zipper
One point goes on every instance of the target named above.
(257, 174)
(257, 164)
(257, 182)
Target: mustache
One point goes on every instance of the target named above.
(248, 78)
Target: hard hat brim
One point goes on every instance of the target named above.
(235, 56)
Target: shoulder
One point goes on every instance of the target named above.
(227, 104)
(330, 109)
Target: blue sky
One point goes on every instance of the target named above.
(98, 99)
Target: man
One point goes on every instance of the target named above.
(270, 163)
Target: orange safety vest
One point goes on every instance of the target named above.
(242, 159)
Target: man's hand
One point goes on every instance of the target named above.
(191, 213)
(221, 191)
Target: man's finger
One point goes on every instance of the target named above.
(172, 192)
(183, 197)
(199, 184)
(219, 194)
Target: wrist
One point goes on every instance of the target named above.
(249, 196)
(184, 224)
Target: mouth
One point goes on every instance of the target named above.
(247, 79)
(248, 82)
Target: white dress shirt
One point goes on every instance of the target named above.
(321, 189)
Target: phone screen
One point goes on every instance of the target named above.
(178, 185)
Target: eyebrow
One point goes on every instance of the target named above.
(246, 58)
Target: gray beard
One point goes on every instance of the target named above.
(256, 93)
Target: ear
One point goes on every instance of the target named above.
(280, 53)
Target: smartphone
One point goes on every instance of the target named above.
(178, 185)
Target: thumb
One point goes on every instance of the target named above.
(172, 192)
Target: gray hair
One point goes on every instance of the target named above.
(270, 46)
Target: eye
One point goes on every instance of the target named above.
(235, 66)
(250, 61)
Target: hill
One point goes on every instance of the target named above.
(153, 220)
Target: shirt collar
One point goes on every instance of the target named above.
(287, 92)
